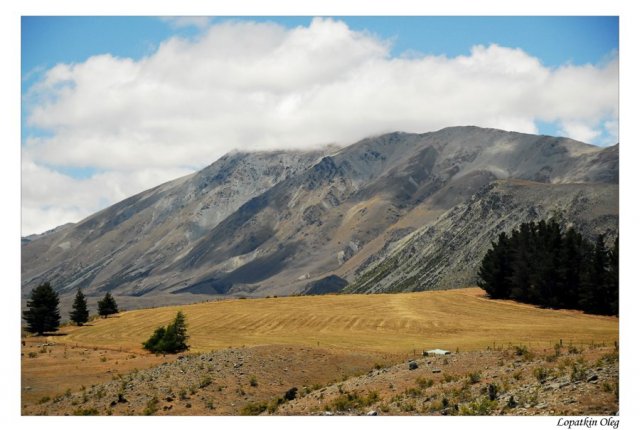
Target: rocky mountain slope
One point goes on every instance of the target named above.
(395, 212)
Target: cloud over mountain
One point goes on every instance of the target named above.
(256, 86)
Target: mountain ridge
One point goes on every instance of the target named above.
(275, 222)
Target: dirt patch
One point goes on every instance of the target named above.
(50, 368)
(217, 383)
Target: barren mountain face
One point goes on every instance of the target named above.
(398, 212)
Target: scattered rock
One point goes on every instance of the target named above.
(436, 370)
(413, 365)
(592, 378)
(372, 413)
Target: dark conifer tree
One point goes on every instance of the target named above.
(593, 298)
(547, 263)
(154, 343)
(573, 258)
(495, 269)
(80, 313)
(541, 265)
(171, 339)
(522, 259)
(42, 314)
(107, 306)
(613, 279)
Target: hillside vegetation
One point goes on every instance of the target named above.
(463, 319)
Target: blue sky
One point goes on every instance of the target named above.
(47, 41)
(115, 105)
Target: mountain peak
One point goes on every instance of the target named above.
(272, 222)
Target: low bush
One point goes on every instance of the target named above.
(170, 339)
(474, 377)
(541, 374)
(253, 408)
(152, 407)
(83, 412)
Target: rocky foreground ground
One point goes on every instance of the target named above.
(292, 380)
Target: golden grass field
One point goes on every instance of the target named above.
(394, 323)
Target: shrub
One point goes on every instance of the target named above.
(413, 392)
(88, 411)
(424, 383)
(541, 374)
(483, 406)
(578, 372)
(474, 377)
(448, 378)
(291, 393)
(574, 350)
(353, 400)
(492, 392)
(170, 339)
(522, 351)
(253, 408)
(205, 382)
(253, 381)
(152, 407)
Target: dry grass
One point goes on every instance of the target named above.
(62, 367)
(392, 323)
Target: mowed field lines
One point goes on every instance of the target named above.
(396, 323)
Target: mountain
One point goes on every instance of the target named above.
(396, 212)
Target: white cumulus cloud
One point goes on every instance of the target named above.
(247, 85)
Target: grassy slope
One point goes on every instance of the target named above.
(453, 319)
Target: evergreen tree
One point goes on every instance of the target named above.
(107, 306)
(613, 279)
(80, 313)
(42, 314)
(495, 269)
(593, 297)
(153, 344)
(180, 327)
(573, 259)
(546, 277)
(522, 259)
(539, 264)
(171, 339)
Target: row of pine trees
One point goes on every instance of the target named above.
(542, 265)
(43, 315)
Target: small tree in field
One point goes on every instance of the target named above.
(107, 306)
(42, 314)
(171, 339)
(80, 313)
